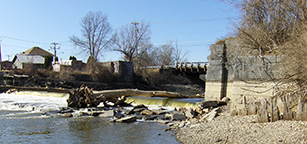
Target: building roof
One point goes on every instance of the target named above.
(35, 59)
(36, 51)
(5, 61)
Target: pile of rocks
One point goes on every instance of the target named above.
(175, 118)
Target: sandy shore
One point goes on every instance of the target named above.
(242, 129)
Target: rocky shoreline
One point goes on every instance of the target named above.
(242, 129)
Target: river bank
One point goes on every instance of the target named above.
(242, 129)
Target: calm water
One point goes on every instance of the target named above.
(22, 121)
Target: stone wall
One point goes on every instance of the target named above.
(124, 70)
(240, 78)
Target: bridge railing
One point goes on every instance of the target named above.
(183, 66)
(191, 66)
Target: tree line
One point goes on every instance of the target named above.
(131, 40)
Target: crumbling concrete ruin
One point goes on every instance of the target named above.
(245, 80)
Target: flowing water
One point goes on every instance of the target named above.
(30, 117)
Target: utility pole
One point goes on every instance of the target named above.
(8, 57)
(136, 37)
(55, 48)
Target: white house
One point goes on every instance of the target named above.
(28, 61)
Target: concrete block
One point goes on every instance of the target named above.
(215, 62)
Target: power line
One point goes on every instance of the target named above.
(194, 21)
(17, 39)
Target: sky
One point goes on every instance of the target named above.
(194, 24)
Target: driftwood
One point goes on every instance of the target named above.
(85, 97)
(82, 97)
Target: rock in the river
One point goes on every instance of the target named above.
(96, 113)
(129, 119)
(178, 116)
(160, 112)
(163, 121)
(146, 112)
(66, 115)
(66, 110)
(109, 113)
(150, 117)
(189, 113)
(137, 109)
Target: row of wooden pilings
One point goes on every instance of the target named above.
(269, 110)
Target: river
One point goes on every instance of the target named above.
(23, 119)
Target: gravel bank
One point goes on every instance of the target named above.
(242, 129)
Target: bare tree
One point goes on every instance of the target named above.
(179, 54)
(266, 25)
(96, 35)
(168, 54)
(132, 40)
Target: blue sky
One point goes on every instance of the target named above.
(194, 24)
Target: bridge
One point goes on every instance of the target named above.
(183, 67)
(195, 71)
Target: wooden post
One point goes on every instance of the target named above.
(274, 111)
(263, 115)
